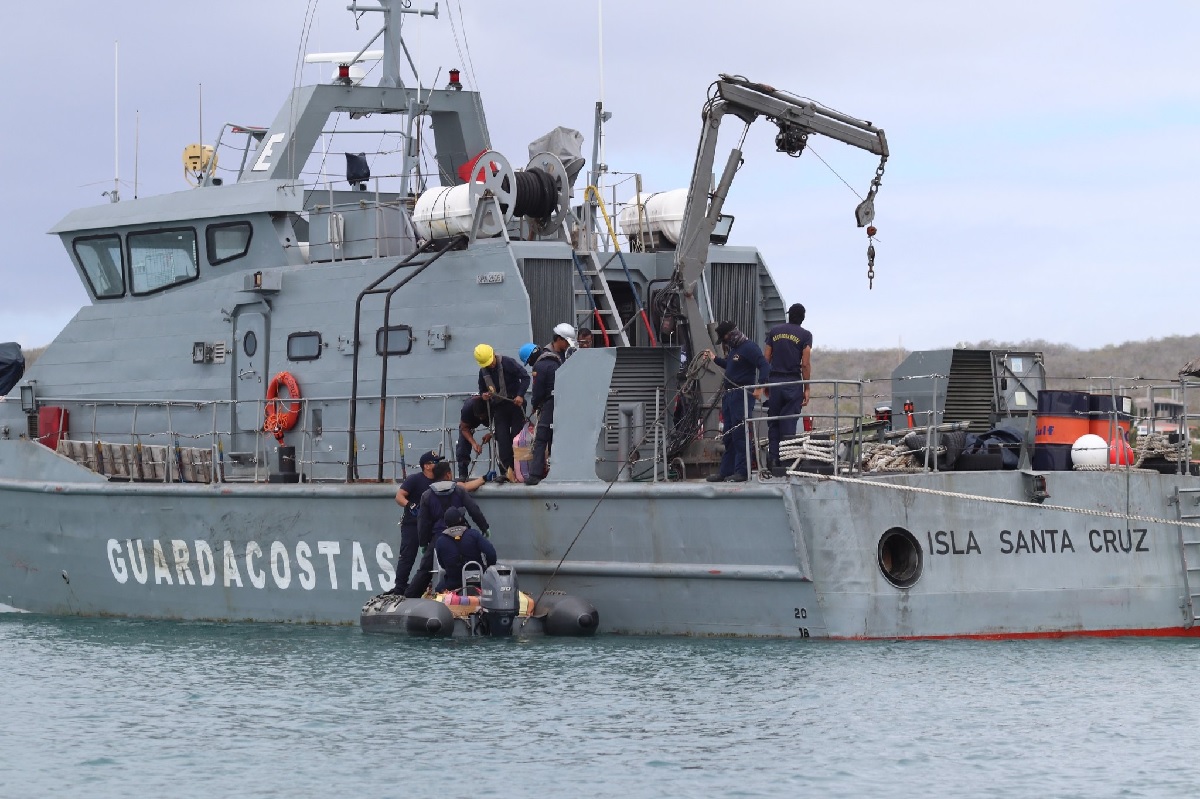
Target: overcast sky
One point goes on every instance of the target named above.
(1043, 154)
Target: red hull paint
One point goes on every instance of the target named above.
(1163, 632)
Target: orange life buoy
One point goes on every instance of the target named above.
(282, 417)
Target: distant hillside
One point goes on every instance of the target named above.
(1153, 359)
(31, 355)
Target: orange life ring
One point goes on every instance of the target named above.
(282, 417)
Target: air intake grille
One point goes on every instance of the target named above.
(971, 393)
(735, 296)
(638, 373)
(550, 284)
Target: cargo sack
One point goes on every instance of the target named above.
(523, 452)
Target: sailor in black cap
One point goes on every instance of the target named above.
(409, 497)
(741, 364)
(789, 351)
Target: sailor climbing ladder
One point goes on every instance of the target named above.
(1187, 507)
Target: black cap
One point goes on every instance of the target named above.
(430, 457)
(454, 516)
(796, 313)
(724, 328)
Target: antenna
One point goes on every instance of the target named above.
(137, 131)
(600, 53)
(115, 195)
(200, 106)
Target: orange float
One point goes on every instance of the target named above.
(281, 417)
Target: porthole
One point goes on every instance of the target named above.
(249, 343)
(304, 346)
(394, 340)
(900, 557)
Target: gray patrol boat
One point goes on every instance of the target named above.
(219, 433)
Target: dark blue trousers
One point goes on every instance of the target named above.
(543, 437)
(736, 459)
(408, 555)
(784, 401)
(462, 454)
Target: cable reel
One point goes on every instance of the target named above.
(549, 189)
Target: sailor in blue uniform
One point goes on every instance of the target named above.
(408, 496)
(458, 544)
(503, 383)
(743, 360)
(443, 494)
(473, 415)
(542, 400)
(789, 351)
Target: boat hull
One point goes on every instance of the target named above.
(797, 557)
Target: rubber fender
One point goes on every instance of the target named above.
(418, 618)
(563, 614)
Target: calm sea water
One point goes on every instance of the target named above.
(137, 708)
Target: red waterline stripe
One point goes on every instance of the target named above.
(1163, 632)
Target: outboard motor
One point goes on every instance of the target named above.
(500, 600)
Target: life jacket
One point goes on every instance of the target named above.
(498, 386)
(455, 532)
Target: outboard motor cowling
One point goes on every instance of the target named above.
(500, 600)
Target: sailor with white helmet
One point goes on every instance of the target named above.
(542, 398)
(566, 332)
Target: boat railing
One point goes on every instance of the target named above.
(841, 433)
(202, 441)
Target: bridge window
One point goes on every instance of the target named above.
(304, 346)
(100, 257)
(159, 259)
(228, 241)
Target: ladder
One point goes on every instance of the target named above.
(594, 303)
(1189, 539)
(593, 274)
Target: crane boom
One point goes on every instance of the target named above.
(796, 118)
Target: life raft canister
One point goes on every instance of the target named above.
(282, 417)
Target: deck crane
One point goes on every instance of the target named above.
(678, 305)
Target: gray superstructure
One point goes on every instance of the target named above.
(136, 476)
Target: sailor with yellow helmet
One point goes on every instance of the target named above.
(503, 383)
